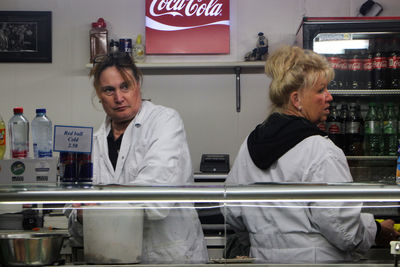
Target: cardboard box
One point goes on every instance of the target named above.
(18, 171)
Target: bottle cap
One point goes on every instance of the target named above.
(40, 110)
(18, 110)
(139, 39)
(101, 23)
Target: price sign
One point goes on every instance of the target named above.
(73, 139)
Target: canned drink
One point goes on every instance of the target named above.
(68, 167)
(85, 167)
(125, 45)
(76, 167)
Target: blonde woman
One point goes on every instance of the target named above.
(288, 147)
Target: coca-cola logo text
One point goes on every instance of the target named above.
(185, 8)
(187, 26)
(334, 62)
(367, 64)
(355, 65)
(379, 63)
(333, 128)
(394, 62)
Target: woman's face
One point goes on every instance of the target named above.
(315, 101)
(121, 100)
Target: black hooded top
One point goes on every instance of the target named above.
(277, 135)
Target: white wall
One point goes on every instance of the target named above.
(205, 102)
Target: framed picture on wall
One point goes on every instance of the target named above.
(25, 36)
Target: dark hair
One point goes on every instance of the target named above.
(122, 61)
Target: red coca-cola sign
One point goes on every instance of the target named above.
(187, 26)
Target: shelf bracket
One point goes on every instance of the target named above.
(238, 101)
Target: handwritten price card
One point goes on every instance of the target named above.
(73, 139)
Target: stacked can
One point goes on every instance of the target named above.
(125, 45)
(76, 167)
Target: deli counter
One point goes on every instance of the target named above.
(52, 200)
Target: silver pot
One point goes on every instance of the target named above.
(30, 248)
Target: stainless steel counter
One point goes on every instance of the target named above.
(265, 192)
(246, 265)
(219, 194)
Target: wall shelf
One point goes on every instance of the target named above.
(236, 67)
(198, 65)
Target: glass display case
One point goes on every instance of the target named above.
(364, 53)
(118, 217)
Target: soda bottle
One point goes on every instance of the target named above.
(344, 112)
(42, 135)
(334, 126)
(394, 65)
(366, 75)
(322, 126)
(390, 131)
(372, 132)
(2, 138)
(398, 125)
(334, 62)
(379, 66)
(355, 69)
(343, 82)
(380, 112)
(354, 136)
(18, 127)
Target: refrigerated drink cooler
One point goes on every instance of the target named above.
(365, 55)
(364, 51)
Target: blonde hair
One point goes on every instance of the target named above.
(292, 68)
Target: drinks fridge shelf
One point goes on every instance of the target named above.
(364, 92)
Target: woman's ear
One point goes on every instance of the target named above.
(295, 100)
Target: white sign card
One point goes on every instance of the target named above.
(73, 139)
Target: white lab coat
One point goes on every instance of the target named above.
(320, 232)
(154, 151)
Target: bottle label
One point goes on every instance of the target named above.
(2, 137)
(322, 126)
(394, 62)
(372, 127)
(334, 127)
(45, 154)
(355, 64)
(18, 154)
(353, 127)
(379, 63)
(367, 64)
(344, 66)
(334, 62)
(389, 127)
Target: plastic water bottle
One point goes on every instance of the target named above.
(42, 135)
(2, 138)
(18, 127)
(372, 132)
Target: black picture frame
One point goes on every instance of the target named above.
(25, 36)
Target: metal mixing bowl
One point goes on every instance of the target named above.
(30, 248)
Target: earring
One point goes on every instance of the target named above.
(299, 108)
